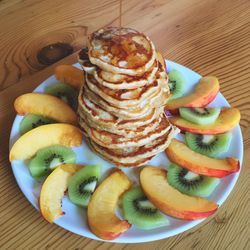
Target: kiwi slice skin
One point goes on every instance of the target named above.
(139, 211)
(83, 183)
(47, 159)
(210, 145)
(176, 83)
(32, 121)
(65, 93)
(201, 116)
(190, 183)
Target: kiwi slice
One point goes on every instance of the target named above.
(176, 83)
(49, 158)
(32, 121)
(65, 93)
(190, 183)
(83, 184)
(210, 145)
(139, 211)
(201, 116)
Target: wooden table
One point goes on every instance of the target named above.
(210, 37)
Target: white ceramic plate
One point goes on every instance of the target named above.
(75, 218)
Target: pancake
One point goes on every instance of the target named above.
(121, 51)
(137, 156)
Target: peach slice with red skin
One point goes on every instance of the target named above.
(227, 120)
(179, 153)
(169, 200)
(102, 219)
(205, 91)
(45, 105)
(70, 75)
(47, 135)
(53, 190)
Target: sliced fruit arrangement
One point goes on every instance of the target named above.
(47, 159)
(180, 154)
(190, 183)
(83, 184)
(210, 145)
(201, 116)
(102, 219)
(176, 83)
(70, 75)
(47, 135)
(226, 121)
(204, 92)
(53, 190)
(169, 200)
(45, 105)
(65, 92)
(31, 121)
(139, 211)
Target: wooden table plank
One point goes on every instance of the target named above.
(210, 37)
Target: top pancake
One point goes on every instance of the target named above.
(121, 51)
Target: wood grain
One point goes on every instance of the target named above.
(210, 37)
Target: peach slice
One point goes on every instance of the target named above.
(161, 60)
(102, 219)
(47, 135)
(70, 75)
(169, 200)
(179, 153)
(46, 105)
(205, 91)
(53, 190)
(227, 120)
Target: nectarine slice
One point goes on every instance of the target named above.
(227, 120)
(102, 219)
(205, 91)
(161, 60)
(45, 105)
(47, 135)
(169, 200)
(53, 190)
(70, 75)
(179, 153)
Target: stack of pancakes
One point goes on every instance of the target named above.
(121, 104)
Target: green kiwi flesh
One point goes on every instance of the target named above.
(83, 183)
(210, 145)
(190, 183)
(139, 211)
(32, 121)
(47, 159)
(65, 93)
(201, 116)
(176, 83)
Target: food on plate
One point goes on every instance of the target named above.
(204, 92)
(190, 183)
(176, 83)
(65, 93)
(201, 116)
(210, 145)
(83, 183)
(227, 120)
(47, 159)
(180, 154)
(70, 75)
(139, 211)
(169, 200)
(32, 121)
(53, 190)
(45, 105)
(101, 212)
(47, 135)
(121, 104)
